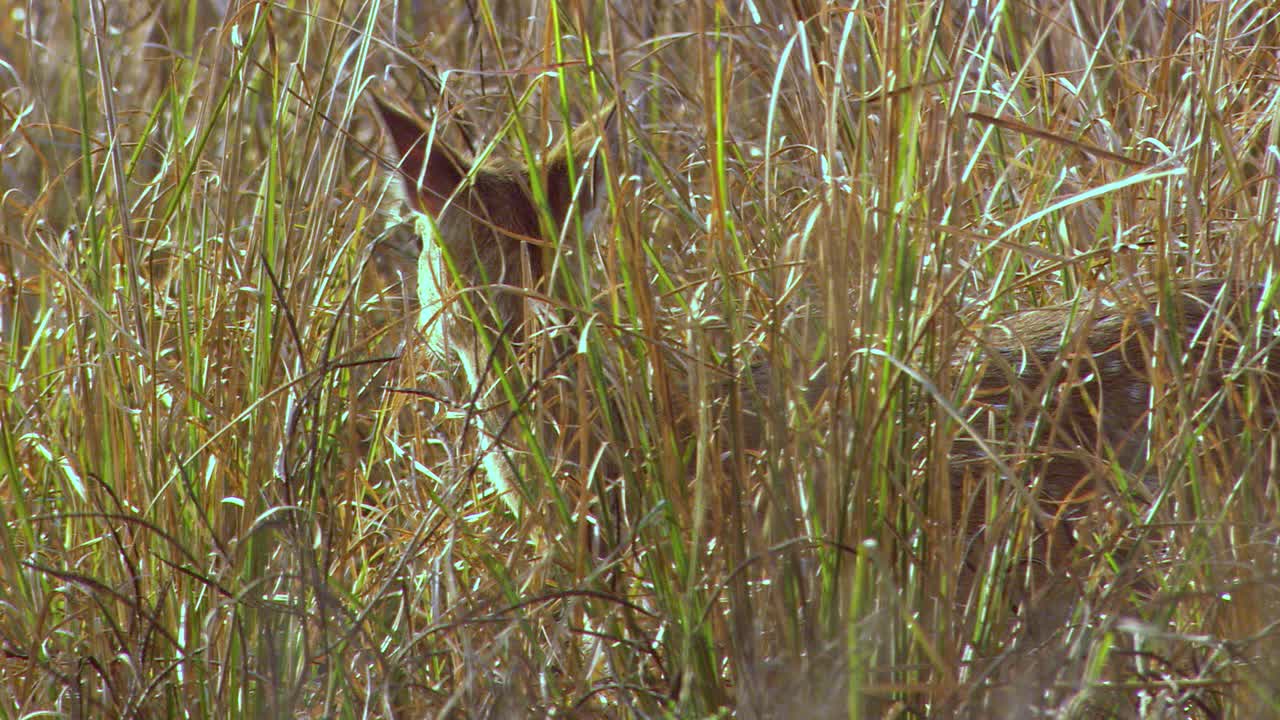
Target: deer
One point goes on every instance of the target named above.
(1075, 387)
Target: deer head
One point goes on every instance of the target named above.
(495, 222)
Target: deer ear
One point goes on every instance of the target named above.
(588, 159)
(431, 174)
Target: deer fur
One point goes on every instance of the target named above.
(1075, 389)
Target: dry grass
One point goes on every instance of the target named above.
(236, 482)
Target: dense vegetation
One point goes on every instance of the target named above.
(238, 480)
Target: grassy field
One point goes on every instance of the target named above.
(238, 478)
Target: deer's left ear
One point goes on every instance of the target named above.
(586, 157)
(431, 173)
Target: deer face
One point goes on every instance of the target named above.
(485, 218)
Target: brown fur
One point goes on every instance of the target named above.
(1076, 387)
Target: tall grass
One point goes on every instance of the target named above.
(238, 481)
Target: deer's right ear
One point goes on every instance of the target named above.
(431, 174)
(560, 192)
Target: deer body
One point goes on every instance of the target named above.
(1074, 393)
